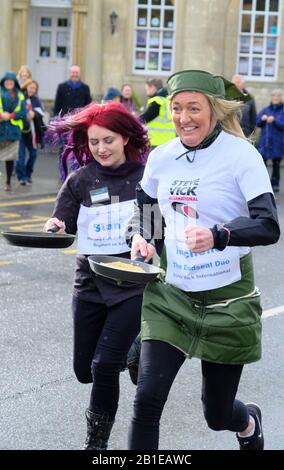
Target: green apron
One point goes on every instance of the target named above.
(220, 325)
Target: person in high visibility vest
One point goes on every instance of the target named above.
(157, 115)
(12, 113)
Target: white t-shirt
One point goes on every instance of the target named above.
(212, 189)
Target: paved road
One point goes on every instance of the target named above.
(41, 403)
(45, 178)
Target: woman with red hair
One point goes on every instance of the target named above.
(110, 146)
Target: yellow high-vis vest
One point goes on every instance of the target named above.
(161, 129)
(15, 122)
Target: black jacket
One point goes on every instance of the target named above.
(69, 98)
(153, 109)
(248, 116)
(76, 191)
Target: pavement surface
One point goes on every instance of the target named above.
(45, 178)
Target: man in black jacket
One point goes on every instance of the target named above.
(72, 94)
(248, 118)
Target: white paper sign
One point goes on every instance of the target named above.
(101, 229)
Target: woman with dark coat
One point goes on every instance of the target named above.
(32, 133)
(96, 200)
(271, 122)
(12, 113)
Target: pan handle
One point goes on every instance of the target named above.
(139, 257)
(53, 229)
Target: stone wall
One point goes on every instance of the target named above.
(206, 38)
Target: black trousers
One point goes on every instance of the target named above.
(102, 338)
(275, 175)
(159, 365)
(9, 170)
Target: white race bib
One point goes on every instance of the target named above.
(201, 271)
(101, 229)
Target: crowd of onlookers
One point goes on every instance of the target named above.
(21, 125)
(22, 118)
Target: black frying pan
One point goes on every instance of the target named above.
(151, 272)
(49, 239)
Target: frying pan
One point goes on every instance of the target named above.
(151, 272)
(49, 239)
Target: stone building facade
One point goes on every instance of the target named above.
(128, 41)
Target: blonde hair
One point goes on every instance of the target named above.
(21, 69)
(228, 113)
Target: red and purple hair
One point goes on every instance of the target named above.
(72, 129)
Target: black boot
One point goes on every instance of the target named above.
(98, 431)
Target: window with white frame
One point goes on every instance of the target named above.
(154, 36)
(259, 37)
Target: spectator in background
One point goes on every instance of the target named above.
(12, 113)
(248, 111)
(72, 94)
(32, 133)
(157, 115)
(112, 94)
(24, 74)
(271, 122)
(129, 99)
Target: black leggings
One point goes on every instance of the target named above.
(159, 365)
(9, 170)
(102, 338)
